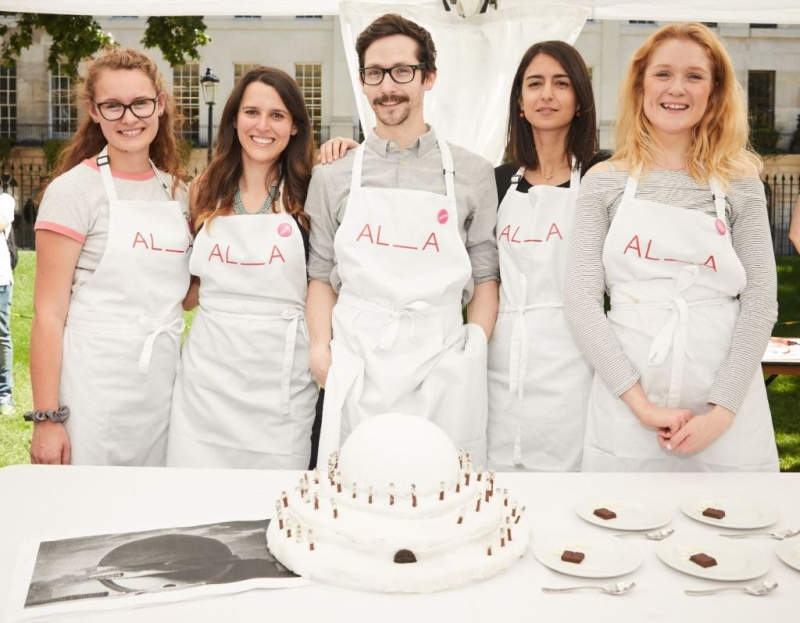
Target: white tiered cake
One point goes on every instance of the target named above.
(400, 510)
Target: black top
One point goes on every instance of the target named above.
(504, 173)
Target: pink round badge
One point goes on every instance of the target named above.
(442, 216)
(284, 230)
(720, 226)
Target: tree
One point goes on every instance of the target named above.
(76, 37)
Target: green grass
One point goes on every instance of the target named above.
(784, 392)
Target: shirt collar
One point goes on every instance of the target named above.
(418, 148)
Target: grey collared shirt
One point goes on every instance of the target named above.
(419, 167)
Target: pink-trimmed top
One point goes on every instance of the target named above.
(136, 177)
(60, 229)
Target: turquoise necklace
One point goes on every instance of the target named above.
(238, 206)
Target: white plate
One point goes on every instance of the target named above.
(735, 560)
(631, 514)
(789, 552)
(606, 556)
(739, 514)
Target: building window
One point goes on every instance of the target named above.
(308, 18)
(309, 79)
(8, 102)
(761, 98)
(186, 92)
(63, 112)
(247, 18)
(641, 21)
(240, 69)
(763, 25)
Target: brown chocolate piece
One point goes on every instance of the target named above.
(716, 513)
(576, 557)
(403, 556)
(604, 513)
(704, 560)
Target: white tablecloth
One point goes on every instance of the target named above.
(40, 503)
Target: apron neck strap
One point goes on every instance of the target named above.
(575, 176)
(631, 184)
(517, 178)
(447, 166)
(719, 197)
(103, 164)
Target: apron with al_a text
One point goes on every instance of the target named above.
(122, 336)
(673, 278)
(538, 378)
(399, 342)
(244, 397)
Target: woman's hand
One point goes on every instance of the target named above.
(50, 444)
(667, 420)
(700, 432)
(335, 148)
(319, 362)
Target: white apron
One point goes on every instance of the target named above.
(244, 397)
(123, 331)
(399, 342)
(538, 378)
(673, 276)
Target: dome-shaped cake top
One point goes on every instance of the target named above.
(399, 449)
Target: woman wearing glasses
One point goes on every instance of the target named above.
(244, 397)
(112, 268)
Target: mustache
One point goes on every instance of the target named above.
(390, 99)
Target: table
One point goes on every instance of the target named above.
(781, 358)
(41, 502)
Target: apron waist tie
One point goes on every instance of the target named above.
(673, 336)
(173, 329)
(518, 351)
(293, 316)
(409, 312)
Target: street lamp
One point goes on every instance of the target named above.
(209, 83)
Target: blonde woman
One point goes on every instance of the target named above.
(675, 229)
(112, 268)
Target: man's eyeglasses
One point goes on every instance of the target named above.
(114, 111)
(401, 74)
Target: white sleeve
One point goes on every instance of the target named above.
(7, 205)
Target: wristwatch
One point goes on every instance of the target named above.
(54, 415)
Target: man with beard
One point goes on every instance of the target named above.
(401, 234)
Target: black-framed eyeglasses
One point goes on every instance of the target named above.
(401, 74)
(141, 108)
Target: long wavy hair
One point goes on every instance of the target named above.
(88, 140)
(582, 133)
(719, 141)
(213, 195)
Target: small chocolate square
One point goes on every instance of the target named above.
(704, 560)
(576, 557)
(604, 513)
(716, 513)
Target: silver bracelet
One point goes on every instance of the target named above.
(54, 415)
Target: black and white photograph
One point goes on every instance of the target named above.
(109, 566)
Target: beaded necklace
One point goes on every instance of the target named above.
(238, 206)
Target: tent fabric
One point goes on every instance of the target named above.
(771, 11)
(476, 61)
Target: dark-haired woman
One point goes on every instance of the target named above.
(111, 271)
(538, 379)
(244, 396)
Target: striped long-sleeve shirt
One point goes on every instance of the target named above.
(600, 196)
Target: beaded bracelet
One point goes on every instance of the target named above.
(54, 415)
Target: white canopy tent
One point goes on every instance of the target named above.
(772, 11)
(477, 56)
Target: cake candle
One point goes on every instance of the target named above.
(478, 503)
(369, 498)
(466, 479)
(514, 509)
(413, 495)
(502, 537)
(355, 490)
(391, 494)
(505, 497)
(441, 491)
(461, 516)
(335, 510)
(338, 482)
(310, 541)
(285, 499)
